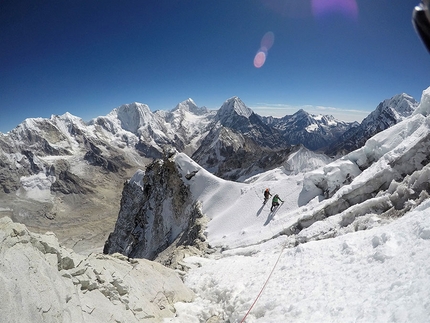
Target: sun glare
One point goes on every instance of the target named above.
(266, 43)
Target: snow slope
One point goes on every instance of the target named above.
(352, 238)
(378, 275)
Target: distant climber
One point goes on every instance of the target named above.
(267, 195)
(275, 202)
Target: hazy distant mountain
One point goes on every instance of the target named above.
(388, 113)
(315, 132)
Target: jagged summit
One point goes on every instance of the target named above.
(132, 116)
(388, 113)
(190, 106)
(187, 105)
(234, 106)
(392, 110)
(307, 118)
(301, 118)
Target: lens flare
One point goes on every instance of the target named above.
(259, 59)
(323, 8)
(289, 8)
(267, 40)
(265, 44)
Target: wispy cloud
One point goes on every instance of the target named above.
(281, 110)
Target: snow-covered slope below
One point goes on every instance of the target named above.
(238, 216)
(377, 275)
(347, 233)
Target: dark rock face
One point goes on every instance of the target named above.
(156, 207)
(67, 182)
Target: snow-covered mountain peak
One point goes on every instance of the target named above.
(301, 115)
(389, 112)
(303, 160)
(66, 118)
(301, 112)
(132, 116)
(401, 103)
(187, 105)
(233, 106)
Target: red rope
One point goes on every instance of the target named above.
(264, 286)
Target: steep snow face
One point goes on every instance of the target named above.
(190, 106)
(138, 119)
(132, 116)
(187, 125)
(304, 160)
(183, 128)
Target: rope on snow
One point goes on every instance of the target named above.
(264, 286)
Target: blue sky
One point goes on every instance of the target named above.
(339, 57)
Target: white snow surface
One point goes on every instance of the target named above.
(371, 269)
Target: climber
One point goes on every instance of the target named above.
(275, 202)
(266, 195)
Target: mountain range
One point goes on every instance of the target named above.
(360, 219)
(57, 169)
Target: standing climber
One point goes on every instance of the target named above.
(266, 195)
(275, 202)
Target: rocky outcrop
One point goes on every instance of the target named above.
(156, 208)
(40, 281)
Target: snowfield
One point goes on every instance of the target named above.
(377, 275)
(355, 265)
(375, 269)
